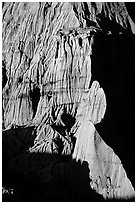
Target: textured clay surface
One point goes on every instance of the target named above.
(52, 101)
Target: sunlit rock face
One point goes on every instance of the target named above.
(51, 102)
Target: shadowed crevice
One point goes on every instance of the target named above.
(35, 97)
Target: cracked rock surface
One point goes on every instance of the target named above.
(52, 102)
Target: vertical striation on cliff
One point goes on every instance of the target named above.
(51, 102)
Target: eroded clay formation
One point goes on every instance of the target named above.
(50, 102)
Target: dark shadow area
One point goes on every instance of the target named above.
(111, 25)
(113, 66)
(16, 141)
(131, 10)
(71, 186)
(41, 177)
(35, 97)
(4, 75)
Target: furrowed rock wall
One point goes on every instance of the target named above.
(51, 99)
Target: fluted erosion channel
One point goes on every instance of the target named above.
(68, 101)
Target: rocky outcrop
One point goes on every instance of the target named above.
(51, 102)
(107, 175)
